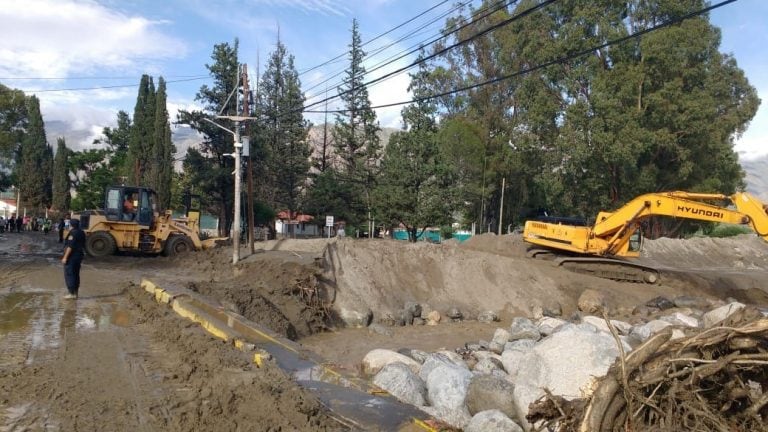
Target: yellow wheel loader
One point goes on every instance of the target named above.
(130, 222)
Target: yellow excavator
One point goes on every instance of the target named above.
(602, 249)
(129, 222)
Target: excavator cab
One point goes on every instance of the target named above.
(130, 205)
(636, 241)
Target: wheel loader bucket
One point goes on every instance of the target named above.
(213, 242)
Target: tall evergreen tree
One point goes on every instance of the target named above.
(356, 132)
(283, 129)
(13, 123)
(33, 170)
(209, 170)
(61, 183)
(142, 133)
(160, 173)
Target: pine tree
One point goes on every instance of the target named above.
(33, 168)
(61, 183)
(160, 173)
(209, 171)
(283, 129)
(356, 132)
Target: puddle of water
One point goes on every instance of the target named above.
(16, 310)
(34, 324)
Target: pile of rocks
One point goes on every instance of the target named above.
(488, 385)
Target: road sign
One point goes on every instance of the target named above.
(329, 221)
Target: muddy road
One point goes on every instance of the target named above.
(115, 360)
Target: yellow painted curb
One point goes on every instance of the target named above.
(424, 426)
(148, 286)
(246, 336)
(186, 311)
(258, 359)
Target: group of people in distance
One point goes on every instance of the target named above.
(19, 224)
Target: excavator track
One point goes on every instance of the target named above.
(606, 268)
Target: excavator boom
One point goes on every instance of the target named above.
(615, 234)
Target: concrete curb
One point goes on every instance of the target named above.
(354, 401)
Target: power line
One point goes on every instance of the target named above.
(377, 37)
(564, 59)
(444, 50)
(416, 47)
(110, 87)
(384, 47)
(88, 78)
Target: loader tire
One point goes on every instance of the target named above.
(178, 244)
(100, 244)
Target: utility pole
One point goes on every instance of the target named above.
(238, 169)
(501, 206)
(247, 112)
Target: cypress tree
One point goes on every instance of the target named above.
(33, 168)
(61, 197)
(161, 163)
(140, 144)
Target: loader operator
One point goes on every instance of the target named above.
(129, 208)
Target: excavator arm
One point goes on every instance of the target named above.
(612, 233)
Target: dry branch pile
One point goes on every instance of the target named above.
(714, 380)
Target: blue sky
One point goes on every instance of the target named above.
(112, 42)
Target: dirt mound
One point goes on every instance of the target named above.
(382, 275)
(506, 245)
(744, 252)
(277, 289)
(282, 287)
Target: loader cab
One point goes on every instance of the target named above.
(131, 205)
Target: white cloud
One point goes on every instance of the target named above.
(754, 143)
(325, 7)
(58, 38)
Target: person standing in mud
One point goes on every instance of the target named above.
(74, 250)
(60, 228)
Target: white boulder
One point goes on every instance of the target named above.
(378, 358)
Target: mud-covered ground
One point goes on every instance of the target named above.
(114, 360)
